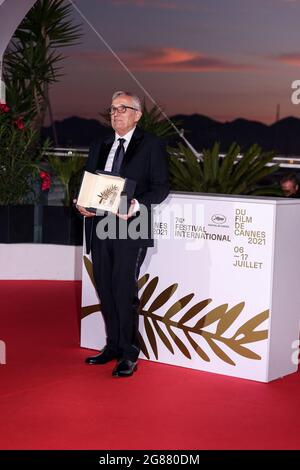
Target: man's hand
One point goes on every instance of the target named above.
(130, 211)
(83, 211)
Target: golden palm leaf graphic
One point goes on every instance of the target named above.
(107, 193)
(164, 329)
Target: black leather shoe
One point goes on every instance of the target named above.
(124, 368)
(105, 356)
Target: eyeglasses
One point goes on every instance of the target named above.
(120, 109)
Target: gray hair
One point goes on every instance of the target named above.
(135, 99)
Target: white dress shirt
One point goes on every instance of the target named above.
(111, 155)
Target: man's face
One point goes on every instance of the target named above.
(289, 188)
(124, 122)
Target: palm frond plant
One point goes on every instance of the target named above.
(226, 175)
(154, 122)
(68, 170)
(32, 63)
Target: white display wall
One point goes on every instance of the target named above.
(220, 290)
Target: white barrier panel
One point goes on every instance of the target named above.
(220, 292)
(40, 261)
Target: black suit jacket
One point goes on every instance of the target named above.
(145, 162)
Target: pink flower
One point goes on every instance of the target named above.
(4, 108)
(46, 180)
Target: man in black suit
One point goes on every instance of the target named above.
(141, 157)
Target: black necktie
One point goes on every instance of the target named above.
(118, 158)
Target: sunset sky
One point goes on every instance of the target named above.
(221, 58)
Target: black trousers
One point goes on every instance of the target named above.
(116, 266)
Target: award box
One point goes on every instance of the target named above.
(105, 191)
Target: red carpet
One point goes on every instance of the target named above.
(49, 399)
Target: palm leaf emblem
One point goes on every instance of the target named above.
(107, 193)
(189, 320)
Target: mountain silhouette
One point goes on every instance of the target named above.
(202, 131)
(76, 131)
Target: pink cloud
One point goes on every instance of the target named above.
(166, 59)
(290, 59)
